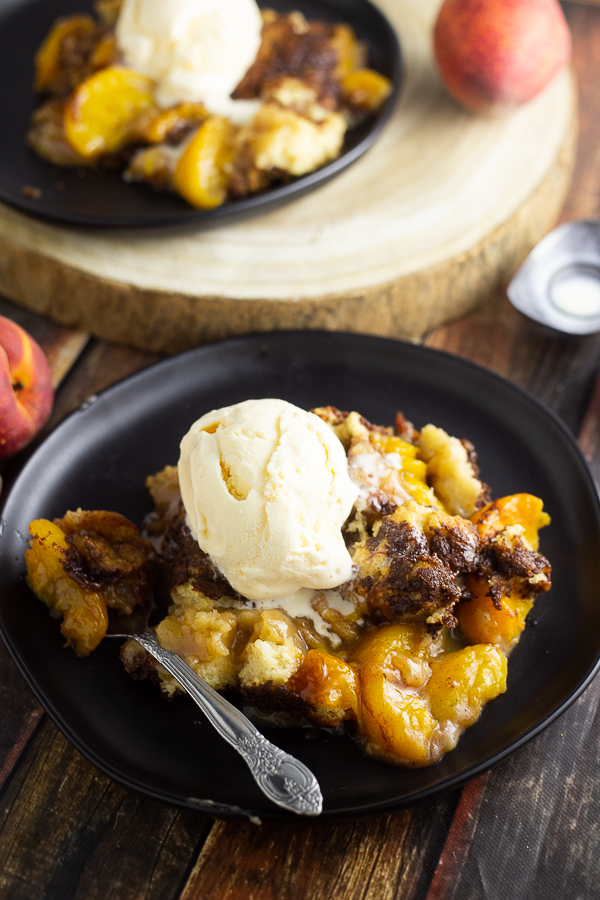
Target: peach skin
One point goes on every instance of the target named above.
(26, 392)
(497, 54)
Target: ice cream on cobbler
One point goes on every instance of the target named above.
(330, 570)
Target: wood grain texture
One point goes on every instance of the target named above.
(459, 838)
(379, 859)
(583, 201)
(560, 370)
(537, 832)
(68, 832)
(21, 714)
(425, 226)
(64, 353)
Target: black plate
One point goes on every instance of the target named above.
(103, 198)
(99, 457)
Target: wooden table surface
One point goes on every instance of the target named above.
(527, 830)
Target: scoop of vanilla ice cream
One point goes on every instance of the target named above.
(266, 490)
(195, 50)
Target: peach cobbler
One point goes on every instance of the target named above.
(329, 570)
(213, 101)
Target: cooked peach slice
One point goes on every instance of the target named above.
(395, 720)
(47, 59)
(463, 682)
(100, 112)
(323, 679)
(391, 640)
(85, 619)
(201, 175)
(350, 52)
(516, 509)
(396, 723)
(162, 122)
(366, 90)
(482, 622)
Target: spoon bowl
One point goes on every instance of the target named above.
(558, 285)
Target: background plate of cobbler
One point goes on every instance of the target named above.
(99, 458)
(101, 197)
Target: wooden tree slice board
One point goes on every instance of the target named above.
(433, 219)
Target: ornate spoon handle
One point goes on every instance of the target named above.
(285, 780)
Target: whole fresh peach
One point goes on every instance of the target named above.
(26, 392)
(497, 54)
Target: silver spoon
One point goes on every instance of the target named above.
(558, 285)
(282, 778)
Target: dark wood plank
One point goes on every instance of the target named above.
(67, 832)
(559, 370)
(64, 352)
(43, 330)
(584, 198)
(459, 838)
(378, 859)
(590, 431)
(62, 346)
(534, 831)
(21, 714)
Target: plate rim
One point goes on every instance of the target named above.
(255, 204)
(216, 809)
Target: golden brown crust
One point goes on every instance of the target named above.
(486, 493)
(270, 698)
(509, 564)
(188, 563)
(411, 568)
(294, 47)
(405, 428)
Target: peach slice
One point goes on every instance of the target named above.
(85, 617)
(201, 175)
(100, 112)
(366, 90)
(483, 623)
(326, 680)
(463, 682)
(516, 509)
(47, 58)
(394, 720)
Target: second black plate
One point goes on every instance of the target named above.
(102, 198)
